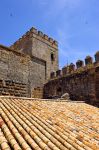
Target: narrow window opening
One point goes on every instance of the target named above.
(52, 57)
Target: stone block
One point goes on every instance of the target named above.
(45, 37)
(64, 71)
(71, 67)
(52, 75)
(79, 63)
(51, 40)
(88, 60)
(55, 42)
(33, 30)
(58, 73)
(97, 56)
(40, 33)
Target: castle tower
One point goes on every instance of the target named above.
(42, 49)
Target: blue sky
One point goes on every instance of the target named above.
(73, 23)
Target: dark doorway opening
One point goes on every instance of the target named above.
(59, 91)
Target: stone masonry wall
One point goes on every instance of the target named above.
(37, 44)
(82, 83)
(37, 93)
(97, 82)
(11, 88)
(22, 69)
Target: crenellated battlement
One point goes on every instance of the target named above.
(80, 80)
(36, 34)
(78, 68)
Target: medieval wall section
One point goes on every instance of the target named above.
(37, 44)
(97, 82)
(22, 69)
(82, 82)
(12, 88)
(13, 65)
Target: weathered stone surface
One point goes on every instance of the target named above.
(22, 68)
(30, 60)
(79, 63)
(97, 56)
(58, 73)
(40, 46)
(37, 93)
(82, 84)
(64, 71)
(12, 88)
(71, 67)
(52, 75)
(65, 96)
(88, 60)
(33, 60)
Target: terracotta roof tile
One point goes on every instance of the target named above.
(47, 125)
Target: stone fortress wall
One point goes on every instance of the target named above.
(32, 62)
(16, 67)
(28, 62)
(81, 82)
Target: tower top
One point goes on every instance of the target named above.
(33, 32)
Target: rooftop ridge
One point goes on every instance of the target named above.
(25, 124)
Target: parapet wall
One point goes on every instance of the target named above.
(36, 34)
(80, 81)
(78, 68)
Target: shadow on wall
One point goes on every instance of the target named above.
(59, 92)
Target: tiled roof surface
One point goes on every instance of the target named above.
(49, 125)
